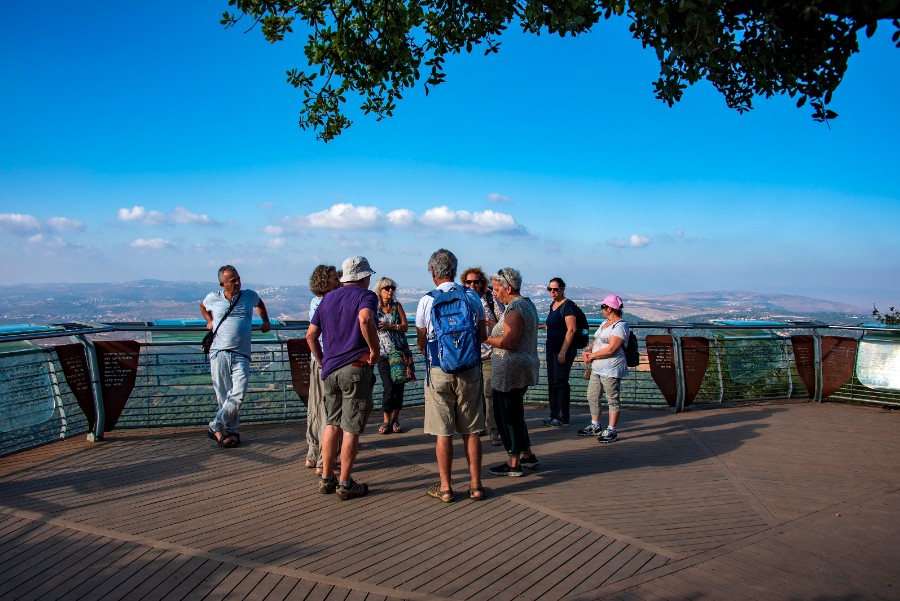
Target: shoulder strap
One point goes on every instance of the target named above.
(228, 312)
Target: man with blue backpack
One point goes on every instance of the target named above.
(450, 326)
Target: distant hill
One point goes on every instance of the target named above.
(147, 300)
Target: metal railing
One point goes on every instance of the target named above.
(172, 385)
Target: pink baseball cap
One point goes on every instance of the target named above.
(613, 302)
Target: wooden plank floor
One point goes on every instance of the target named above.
(783, 500)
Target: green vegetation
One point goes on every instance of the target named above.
(378, 50)
(890, 318)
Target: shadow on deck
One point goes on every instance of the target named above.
(770, 501)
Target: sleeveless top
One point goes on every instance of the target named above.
(390, 340)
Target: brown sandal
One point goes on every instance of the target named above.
(445, 496)
(476, 493)
(385, 428)
(395, 426)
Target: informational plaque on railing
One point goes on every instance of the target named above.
(838, 361)
(695, 352)
(75, 369)
(26, 393)
(118, 362)
(299, 358)
(878, 365)
(805, 359)
(661, 356)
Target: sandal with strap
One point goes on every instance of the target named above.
(228, 441)
(476, 493)
(395, 426)
(445, 496)
(385, 428)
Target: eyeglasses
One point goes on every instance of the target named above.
(388, 287)
(471, 282)
(602, 307)
(550, 289)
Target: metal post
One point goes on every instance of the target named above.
(94, 373)
(679, 372)
(817, 361)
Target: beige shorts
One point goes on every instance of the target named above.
(454, 402)
(348, 397)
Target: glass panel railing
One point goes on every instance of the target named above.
(48, 384)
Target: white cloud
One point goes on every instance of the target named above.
(401, 218)
(61, 224)
(50, 246)
(635, 241)
(135, 213)
(639, 241)
(18, 224)
(497, 198)
(345, 216)
(182, 215)
(178, 215)
(273, 230)
(483, 222)
(277, 243)
(152, 243)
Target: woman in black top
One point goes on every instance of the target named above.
(561, 325)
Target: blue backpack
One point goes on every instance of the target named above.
(455, 347)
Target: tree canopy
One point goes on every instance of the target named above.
(744, 48)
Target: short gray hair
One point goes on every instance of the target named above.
(225, 268)
(443, 264)
(382, 283)
(509, 276)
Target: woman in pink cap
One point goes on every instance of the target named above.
(607, 359)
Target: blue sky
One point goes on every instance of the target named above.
(138, 143)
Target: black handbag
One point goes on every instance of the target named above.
(206, 345)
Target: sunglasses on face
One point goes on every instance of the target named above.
(551, 289)
(472, 282)
(603, 307)
(388, 287)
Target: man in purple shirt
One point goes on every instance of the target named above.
(346, 321)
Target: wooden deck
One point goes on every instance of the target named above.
(772, 501)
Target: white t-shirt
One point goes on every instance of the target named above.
(615, 366)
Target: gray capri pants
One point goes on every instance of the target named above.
(597, 386)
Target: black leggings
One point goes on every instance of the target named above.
(509, 412)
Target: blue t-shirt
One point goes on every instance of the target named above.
(236, 332)
(338, 318)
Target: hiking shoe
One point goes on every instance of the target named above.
(555, 423)
(608, 436)
(504, 470)
(352, 490)
(529, 461)
(590, 430)
(328, 485)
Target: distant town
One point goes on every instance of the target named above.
(149, 300)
